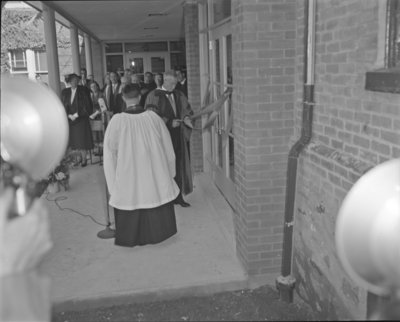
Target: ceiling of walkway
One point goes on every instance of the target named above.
(124, 20)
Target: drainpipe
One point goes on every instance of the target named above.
(286, 282)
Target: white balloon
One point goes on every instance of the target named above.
(34, 126)
(368, 229)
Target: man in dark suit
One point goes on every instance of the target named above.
(175, 110)
(111, 92)
(182, 82)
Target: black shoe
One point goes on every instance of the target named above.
(183, 203)
(84, 164)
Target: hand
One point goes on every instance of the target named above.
(176, 123)
(25, 239)
(93, 116)
(188, 122)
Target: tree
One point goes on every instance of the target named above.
(23, 29)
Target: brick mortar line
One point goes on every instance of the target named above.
(342, 159)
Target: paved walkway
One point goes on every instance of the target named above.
(87, 271)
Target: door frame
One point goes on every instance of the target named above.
(221, 175)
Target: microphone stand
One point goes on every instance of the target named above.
(107, 233)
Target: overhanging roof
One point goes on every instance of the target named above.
(121, 20)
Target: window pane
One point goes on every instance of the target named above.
(146, 46)
(219, 141)
(397, 44)
(157, 46)
(137, 65)
(157, 64)
(217, 64)
(178, 60)
(229, 59)
(177, 46)
(135, 47)
(114, 48)
(41, 60)
(18, 60)
(221, 9)
(231, 159)
(114, 62)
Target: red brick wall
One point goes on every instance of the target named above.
(193, 79)
(263, 40)
(353, 130)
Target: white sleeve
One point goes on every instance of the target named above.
(110, 153)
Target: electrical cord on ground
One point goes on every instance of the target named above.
(56, 200)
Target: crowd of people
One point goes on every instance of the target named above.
(147, 171)
(146, 150)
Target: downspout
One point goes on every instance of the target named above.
(286, 282)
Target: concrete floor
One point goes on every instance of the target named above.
(87, 271)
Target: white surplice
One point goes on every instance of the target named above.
(139, 161)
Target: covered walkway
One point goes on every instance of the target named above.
(87, 271)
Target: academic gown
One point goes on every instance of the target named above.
(158, 101)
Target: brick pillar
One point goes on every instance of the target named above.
(263, 36)
(190, 13)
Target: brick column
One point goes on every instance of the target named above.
(263, 36)
(190, 13)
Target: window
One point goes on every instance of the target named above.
(18, 60)
(114, 62)
(113, 48)
(177, 46)
(387, 79)
(146, 46)
(157, 64)
(221, 10)
(41, 61)
(393, 32)
(178, 60)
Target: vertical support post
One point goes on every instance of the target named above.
(88, 54)
(76, 64)
(30, 63)
(51, 48)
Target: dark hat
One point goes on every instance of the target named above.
(131, 91)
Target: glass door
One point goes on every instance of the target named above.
(147, 62)
(136, 63)
(222, 139)
(158, 62)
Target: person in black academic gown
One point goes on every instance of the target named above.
(174, 108)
